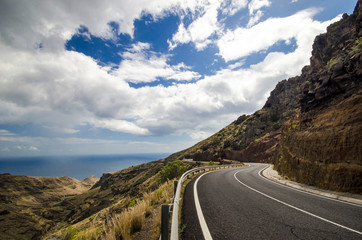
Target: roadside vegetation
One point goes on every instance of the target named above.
(126, 225)
(130, 218)
(172, 170)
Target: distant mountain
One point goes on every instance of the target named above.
(311, 125)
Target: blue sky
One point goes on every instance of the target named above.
(80, 77)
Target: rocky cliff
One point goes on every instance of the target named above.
(321, 145)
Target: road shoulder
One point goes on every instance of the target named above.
(273, 175)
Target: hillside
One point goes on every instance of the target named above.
(311, 125)
(27, 204)
(32, 206)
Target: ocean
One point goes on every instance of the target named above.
(78, 167)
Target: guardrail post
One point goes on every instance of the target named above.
(174, 187)
(164, 221)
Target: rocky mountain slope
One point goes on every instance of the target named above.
(311, 125)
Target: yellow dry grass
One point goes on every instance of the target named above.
(130, 221)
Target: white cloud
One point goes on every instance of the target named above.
(142, 65)
(62, 90)
(51, 23)
(120, 126)
(199, 30)
(4, 132)
(32, 148)
(244, 41)
(67, 89)
(61, 129)
(255, 5)
(233, 6)
(207, 22)
(255, 12)
(255, 18)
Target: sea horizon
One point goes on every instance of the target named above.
(76, 166)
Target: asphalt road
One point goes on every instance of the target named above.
(240, 204)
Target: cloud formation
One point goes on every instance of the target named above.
(141, 65)
(242, 42)
(43, 84)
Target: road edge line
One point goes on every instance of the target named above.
(296, 208)
(200, 215)
(261, 174)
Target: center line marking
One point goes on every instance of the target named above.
(291, 206)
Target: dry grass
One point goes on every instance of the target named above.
(130, 221)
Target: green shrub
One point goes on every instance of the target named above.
(172, 170)
(132, 203)
(211, 163)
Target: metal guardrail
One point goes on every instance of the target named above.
(176, 199)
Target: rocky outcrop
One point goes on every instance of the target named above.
(321, 145)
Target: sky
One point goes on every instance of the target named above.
(141, 76)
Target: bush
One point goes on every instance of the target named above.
(211, 163)
(132, 203)
(172, 170)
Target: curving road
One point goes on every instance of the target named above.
(241, 204)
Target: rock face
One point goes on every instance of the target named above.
(322, 145)
(324, 148)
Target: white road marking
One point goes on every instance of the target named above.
(303, 191)
(296, 208)
(200, 215)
